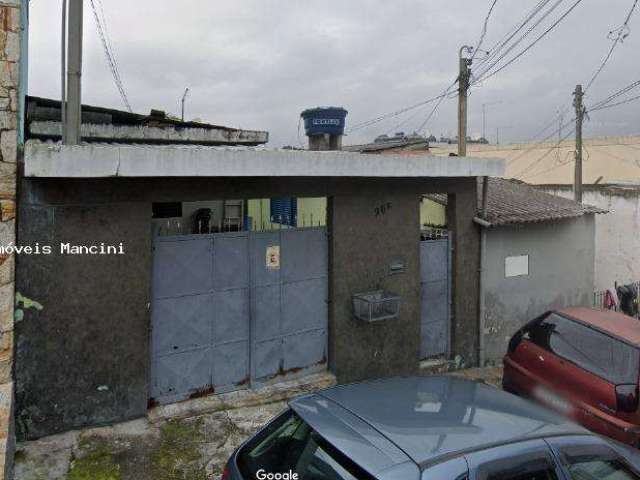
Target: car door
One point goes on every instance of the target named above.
(591, 458)
(527, 460)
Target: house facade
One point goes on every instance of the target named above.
(538, 253)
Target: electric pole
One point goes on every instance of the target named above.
(580, 111)
(184, 97)
(463, 87)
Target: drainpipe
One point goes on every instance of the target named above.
(481, 281)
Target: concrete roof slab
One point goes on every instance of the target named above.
(53, 160)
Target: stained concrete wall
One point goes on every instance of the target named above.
(368, 232)
(561, 273)
(617, 239)
(461, 208)
(92, 332)
(83, 358)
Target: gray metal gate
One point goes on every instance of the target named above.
(435, 276)
(234, 309)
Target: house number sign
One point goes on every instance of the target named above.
(382, 209)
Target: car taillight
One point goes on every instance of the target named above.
(627, 398)
(225, 473)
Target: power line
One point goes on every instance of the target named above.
(438, 98)
(111, 61)
(622, 33)
(522, 37)
(484, 29)
(373, 121)
(603, 103)
(540, 143)
(545, 155)
(500, 44)
(619, 39)
(484, 76)
(623, 102)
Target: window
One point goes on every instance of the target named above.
(291, 444)
(600, 354)
(516, 266)
(596, 463)
(284, 210)
(167, 210)
(537, 466)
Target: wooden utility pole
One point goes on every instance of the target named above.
(463, 87)
(577, 180)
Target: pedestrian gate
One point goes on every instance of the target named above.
(435, 276)
(232, 310)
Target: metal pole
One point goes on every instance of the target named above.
(184, 97)
(74, 72)
(463, 86)
(484, 120)
(577, 181)
(63, 70)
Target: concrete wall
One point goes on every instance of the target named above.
(461, 208)
(617, 239)
(12, 34)
(82, 359)
(364, 242)
(561, 273)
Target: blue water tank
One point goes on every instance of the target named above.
(321, 120)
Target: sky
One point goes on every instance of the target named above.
(257, 64)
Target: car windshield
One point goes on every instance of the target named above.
(290, 446)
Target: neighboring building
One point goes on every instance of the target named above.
(617, 239)
(611, 176)
(539, 254)
(606, 160)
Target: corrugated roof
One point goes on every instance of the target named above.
(406, 144)
(109, 125)
(514, 202)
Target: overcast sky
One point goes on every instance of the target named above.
(257, 63)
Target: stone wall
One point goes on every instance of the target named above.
(10, 35)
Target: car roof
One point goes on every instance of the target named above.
(431, 419)
(614, 323)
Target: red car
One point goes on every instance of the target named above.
(584, 363)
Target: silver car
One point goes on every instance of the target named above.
(426, 428)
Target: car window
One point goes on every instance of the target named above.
(596, 463)
(291, 445)
(526, 467)
(600, 354)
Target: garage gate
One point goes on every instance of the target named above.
(435, 283)
(234, 310)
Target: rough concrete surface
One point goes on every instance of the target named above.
(187, 440)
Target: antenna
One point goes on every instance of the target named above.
(184, 97)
